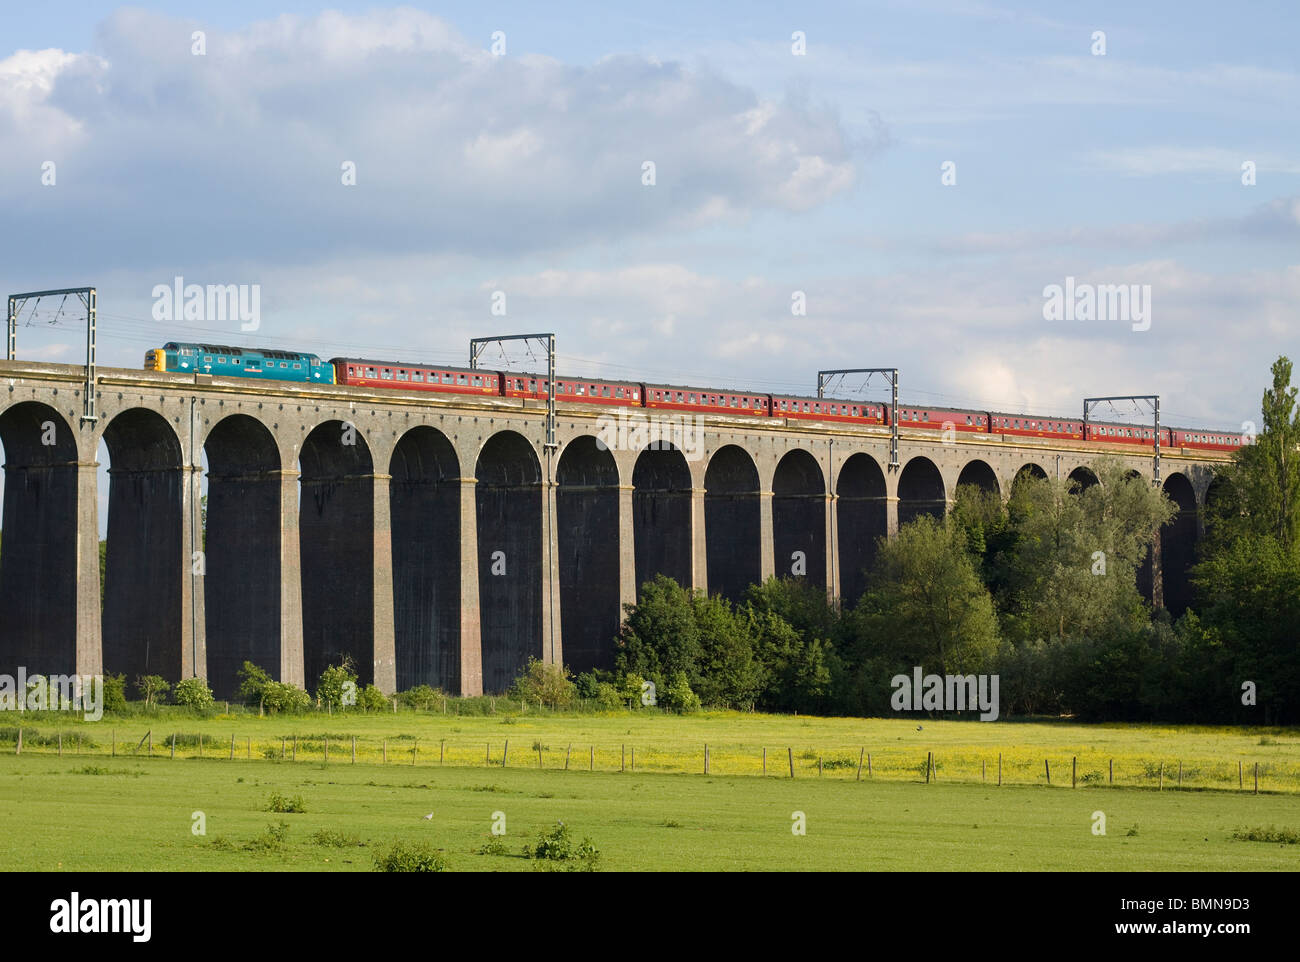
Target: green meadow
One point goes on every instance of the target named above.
(635, 785)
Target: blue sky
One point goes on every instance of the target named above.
(775, 173)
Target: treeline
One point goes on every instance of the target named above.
(1040, 590)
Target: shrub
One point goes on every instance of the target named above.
(331, 839)
(115, 693)
(335, 680)
(272, 840)
(194, 693)
(421, 698)
(548, 684)
(283, 804)
(404, 857)
(371, 698)
(279, 696)
(678, 695)
(608, 697)
(1258, 833)
(557, 845)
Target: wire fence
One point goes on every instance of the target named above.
(1014, 766)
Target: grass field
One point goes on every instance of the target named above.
(94, 810)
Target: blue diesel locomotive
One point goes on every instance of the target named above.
(239, 362)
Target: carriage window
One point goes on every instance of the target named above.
(968, 421)
(532, 384)
(635, 394)
(370, 372)
(403, 376)
(679, 397)
(618, 391)
(386, 375)
(461, 379)
(222, 360)
(417, 376)
(604, 391)
(1017, 422)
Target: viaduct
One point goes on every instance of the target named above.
(437, 540)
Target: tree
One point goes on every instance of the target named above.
(925, 604)
(253, 680)
(1262, 494)
(1070, 568)
(152, 688)
(335, 681)
(547, 684)
(659, 635)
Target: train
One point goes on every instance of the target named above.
(444, 379)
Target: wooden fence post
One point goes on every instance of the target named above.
(504, 752)
(200, 743)
(173, 744)
(60, 744)
(282, 741)
(869, 765)
(151, 743)
(539, 754)
(1074, 772)
(1257, 778)
(249, 752)
(927, 766)
(113, 752)
(983, 773)
(1240, 784)
(764, 761)
(861, 753)
(78, 743)
(20, 741)
(706, 758)
(568, 749)
(383, 749)
(1112, 771)
(819, 766)
(592, 766)
(294, 756)
(1047, 768)
(632, 759)
(999, 769)
(790, 752)
(232, 747)
(442, 745)
(327, 749)
(1162, 776)
(1180, 773)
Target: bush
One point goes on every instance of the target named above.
(608, 697)
(422, 698)
(335, 680)
(115, 693)
(281, 697)
(194, 693)
(678, 695)
(331, 839)
(548, 684)
(371, 698)
(403, 857)
(272, 840)
(557, 845)
(282, 804)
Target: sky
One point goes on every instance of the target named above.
(914, 174)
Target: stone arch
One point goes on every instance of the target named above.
(38, 563)
(587, 528)
(980, 474)
(336, 540)
(661, 515)
(1082, 478)
(862, 517)
(509, 504)
(799, 517)
(242, 583)
(1178, 545)
(732, 522)
(920, 491)
(145, 561)
(424, 507)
